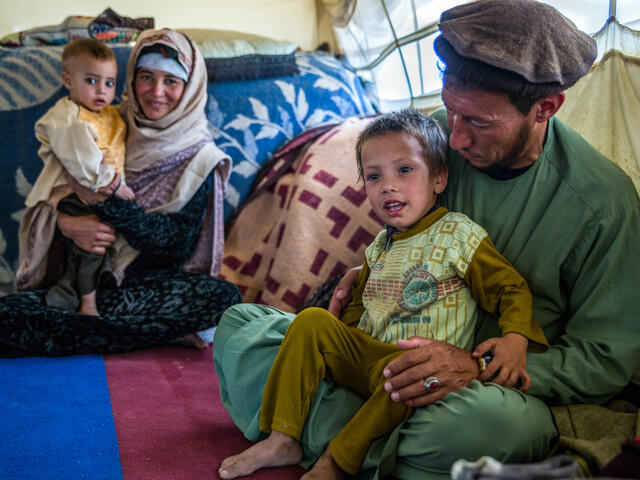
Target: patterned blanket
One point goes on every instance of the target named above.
(309, 226)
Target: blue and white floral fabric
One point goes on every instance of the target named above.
(248, 119)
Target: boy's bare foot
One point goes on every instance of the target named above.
(277, 450)
(194, 340)
(88, 305)
(325, 468)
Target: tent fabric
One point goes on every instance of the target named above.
(604, 106)
(340, 11)
(615, 36)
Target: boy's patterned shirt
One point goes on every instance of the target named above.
(416, 286)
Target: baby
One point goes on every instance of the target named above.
(83, 135)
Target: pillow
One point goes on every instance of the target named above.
(251, 67)
(11, 40)
(227, 43)
(231, 55)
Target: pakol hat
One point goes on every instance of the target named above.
(526, 37)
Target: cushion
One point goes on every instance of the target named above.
(250, 67)
(109, 27)
(228, 43)
(233, 55)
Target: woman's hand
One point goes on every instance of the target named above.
(342, 293)
(87, 232)
(452, 366)
(509, 363)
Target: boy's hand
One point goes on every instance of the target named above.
(342, 293)
(509, 360)
(124, 192)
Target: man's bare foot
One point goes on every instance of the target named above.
(277, 450)
(88, 305)
(325, 468)
(193, 340)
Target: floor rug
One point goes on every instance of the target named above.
(169, 417)
(153, 414)
(56, 420)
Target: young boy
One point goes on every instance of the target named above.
(84, 135)
(424, 275)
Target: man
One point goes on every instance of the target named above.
(565, 216)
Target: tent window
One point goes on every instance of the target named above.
(390, 42)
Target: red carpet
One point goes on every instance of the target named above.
(169, 419)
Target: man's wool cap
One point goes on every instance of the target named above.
(527, 37)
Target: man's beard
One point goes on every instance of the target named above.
(519, 146)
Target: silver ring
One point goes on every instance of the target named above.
(431, 384)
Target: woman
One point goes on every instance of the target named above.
(173, 229)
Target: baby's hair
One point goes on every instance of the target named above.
(424, 129)
(89, 47)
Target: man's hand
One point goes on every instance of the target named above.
(452, 366)
(342, 293)
(509, 362)
(87, 232)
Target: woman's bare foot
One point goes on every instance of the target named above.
(277, 450)
(88, 305)
(325, 468)
(193, 340)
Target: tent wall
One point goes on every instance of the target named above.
(294, 20)
(604, 106)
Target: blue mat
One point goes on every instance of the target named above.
(56, 420)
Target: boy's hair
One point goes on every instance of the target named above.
(411, 122)
(89, 47)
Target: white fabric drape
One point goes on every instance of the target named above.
(391, 43)
(340, 11)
